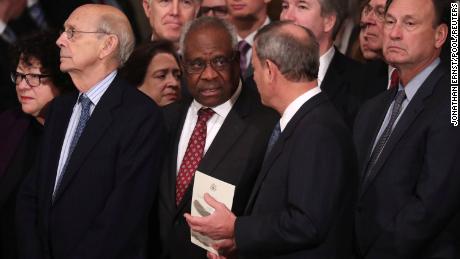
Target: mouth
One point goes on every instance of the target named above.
(174, 25)
(25, 98)
(238, 7)
(210, 91)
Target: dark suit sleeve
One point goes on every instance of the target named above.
(316, 164)
(137, 172)
(436, 197)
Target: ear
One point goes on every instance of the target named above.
(146, 5)
(440, 35)
(329, 21)
(271, 71)
(109, 46)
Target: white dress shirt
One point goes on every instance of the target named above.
(213, 125)
(94, 94)
(324, 62)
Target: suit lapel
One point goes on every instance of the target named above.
(333, 80)
(96, 127)
(407, 118)
(279, 145)
(232, 128)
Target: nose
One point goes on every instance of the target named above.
(209, 73)
(287, 15)
(172, 81)
(395, 32)
(61, 40)
(175, 8)
(22, 85)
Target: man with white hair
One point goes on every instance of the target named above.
(95, 179)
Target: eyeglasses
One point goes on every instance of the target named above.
(218, 11)
(70, 33)
(218, 63)
(33, 80)
(378, 10)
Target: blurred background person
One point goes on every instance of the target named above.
(217, 8)
(154, 68)
(38, 80)
(167, 18)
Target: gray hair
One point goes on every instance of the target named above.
(206, 22)
(337, 8)
(297, 56)
(119, 26)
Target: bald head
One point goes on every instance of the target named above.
(292, 47)
(110, 20)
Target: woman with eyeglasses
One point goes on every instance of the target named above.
(38, 80)
(154, 69)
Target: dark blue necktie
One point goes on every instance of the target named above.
(273, 138)
(85, 103)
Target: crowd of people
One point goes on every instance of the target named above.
(335, 130)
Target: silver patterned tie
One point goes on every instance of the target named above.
(400, 97)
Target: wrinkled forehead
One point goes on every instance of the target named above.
(213, 3)
(82, 18)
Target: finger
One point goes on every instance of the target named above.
(211, 201)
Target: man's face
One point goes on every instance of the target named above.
(373, 16)
(80, 51)
(167, 17)
(410, 39)
(217, 82)
(306, 13)
(216, 8)
(364, 44)
(246, 8)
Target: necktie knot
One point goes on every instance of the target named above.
(85, 102)
(204, 114)
(394, 79)
(243, 48)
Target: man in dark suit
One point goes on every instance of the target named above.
(301, 204)
(236, 133)
(97, 173)
(338, 75)
(409, 152)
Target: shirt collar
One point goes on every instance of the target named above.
(412, 87)
(324, 62)
(222, 109)
(95, 93)
(250, 38)
(294, 106)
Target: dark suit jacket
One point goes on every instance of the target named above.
(342, 84)
(101, 207)
(300, 206)
(375, 79)
(409, 207)
(20, 137)
(235, 156)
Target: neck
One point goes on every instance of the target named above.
(40, 120)
(325, 45)
(84, 81)
(408, 72)
(295, 89)
(248, 25)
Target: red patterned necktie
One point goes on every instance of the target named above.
(193, 154)
(394, 79)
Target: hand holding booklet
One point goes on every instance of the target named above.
(220, 191)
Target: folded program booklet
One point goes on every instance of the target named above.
(220, 191)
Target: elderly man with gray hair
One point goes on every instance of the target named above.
(301, 203)
(221, 131)
(96, 176)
